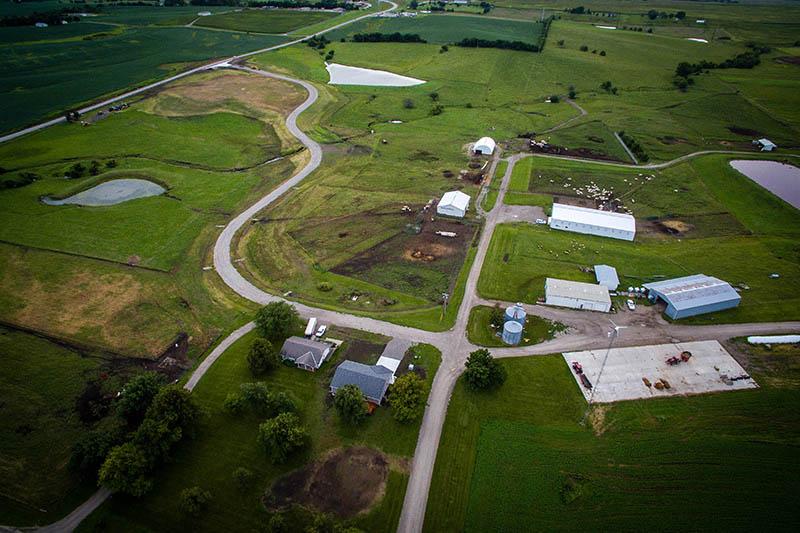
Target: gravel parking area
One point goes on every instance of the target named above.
(643, 372)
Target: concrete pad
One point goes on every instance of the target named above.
(709, 370)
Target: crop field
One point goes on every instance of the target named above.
(264, 21)
(201, 463)
(444, 29)
(742, 234)
(152, 15)
(630, 463)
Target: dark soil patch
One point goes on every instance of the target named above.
(788, 60)
(747, 132)
(673, 140)
(362, 351)
(594, 139)
(345, 483)
(173, 361)
(359, 150)
(584, 153)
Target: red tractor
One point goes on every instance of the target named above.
(576, 366)
(678, 359)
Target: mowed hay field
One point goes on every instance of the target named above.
(730, 228)
(527, 458)
(226, 442)
(264, 21)
(445, 29)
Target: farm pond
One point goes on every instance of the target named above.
(346, 75)
(780, 179)
(111, 193)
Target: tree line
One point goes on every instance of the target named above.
(396, 37)
(473, 42)
(749, 59)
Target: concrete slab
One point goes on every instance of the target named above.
(710, 369)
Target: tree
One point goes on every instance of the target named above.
(444, 49)
(177, 409)
(680, 15)
(90, 451)
(437, 110)
(94, 168)
(76, 171)
(282, 435)
(194, 500)
(155, 438)
(262, 358)
(408, 103)
(243, 478)
(276, 320)
(111, 163)
(555, 99)
(407, 398)
(560, 43)
(413, 4)
(434, 96)
(584, 48)
(126, 470)
(137, 395)
(349, 403)
(572, 94)
(483, 372)
(234, 403)
(497, 317)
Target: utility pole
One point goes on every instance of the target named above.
(445, 297)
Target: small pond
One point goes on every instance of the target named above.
(780, 179)
(111, 193)
(344, 75)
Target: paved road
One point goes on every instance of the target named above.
(220, 63)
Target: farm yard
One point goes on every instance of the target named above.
(622, 465)
(381, 440)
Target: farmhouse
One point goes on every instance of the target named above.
(607, 276)
(372, 380)
(453, 204)
(693, 295)
(305, 353)
(577, 295)
(485, 146)
(593, 222)
(765, 145)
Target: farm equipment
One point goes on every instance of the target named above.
(678, 359)
(576, 366)
(586, 383)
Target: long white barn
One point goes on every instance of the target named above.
(593, 222)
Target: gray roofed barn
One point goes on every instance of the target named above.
(607, 276)
(371, 380)
(305, 353)
(693, 295)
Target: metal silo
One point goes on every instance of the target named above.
(512, 333)
(516, 313)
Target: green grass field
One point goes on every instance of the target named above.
(656, 461)
(261, 21)
(226, 443)
(480, 332)
(444, 29)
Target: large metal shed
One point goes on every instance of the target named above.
(693, 295)
(593, 222)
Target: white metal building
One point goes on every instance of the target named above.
(453, 204)
(485, 146)
(593, 222)
(765, 144)
(577, 295)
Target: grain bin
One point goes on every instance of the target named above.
(515, 313)
(512, 333)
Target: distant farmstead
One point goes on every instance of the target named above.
(693, 295)
(765, 145)
(453, 204)
(577, 295)
(593, 222)
(485, 146)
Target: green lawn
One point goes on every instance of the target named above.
(494, 187)
(225, 443)
(480, 331)
(264, 21)
(656, 461)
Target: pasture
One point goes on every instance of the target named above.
(264, 21)
(627, 464)
(445, 29)
(201, 463)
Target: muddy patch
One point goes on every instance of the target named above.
(582, 152)
(747, 132)
(788, 60)
(345, 483)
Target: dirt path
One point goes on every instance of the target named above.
(581, 113)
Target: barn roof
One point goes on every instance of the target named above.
(576, 289)
(607, 276)
(486, 141)
(693, 291)
(594, 217)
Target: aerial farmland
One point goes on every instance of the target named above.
(292, 265)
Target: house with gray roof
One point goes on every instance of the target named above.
(305, 353)
(372, 380)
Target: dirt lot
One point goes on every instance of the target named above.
(642, 372)
(585, 153)
(346, 482)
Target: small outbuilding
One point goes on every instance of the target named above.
(372, 380)
(593, 222)
(484, 146)
(607, 276)
(305, 353)
(765, 145)
(453, 204)
(693, 295)
(577, 295)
